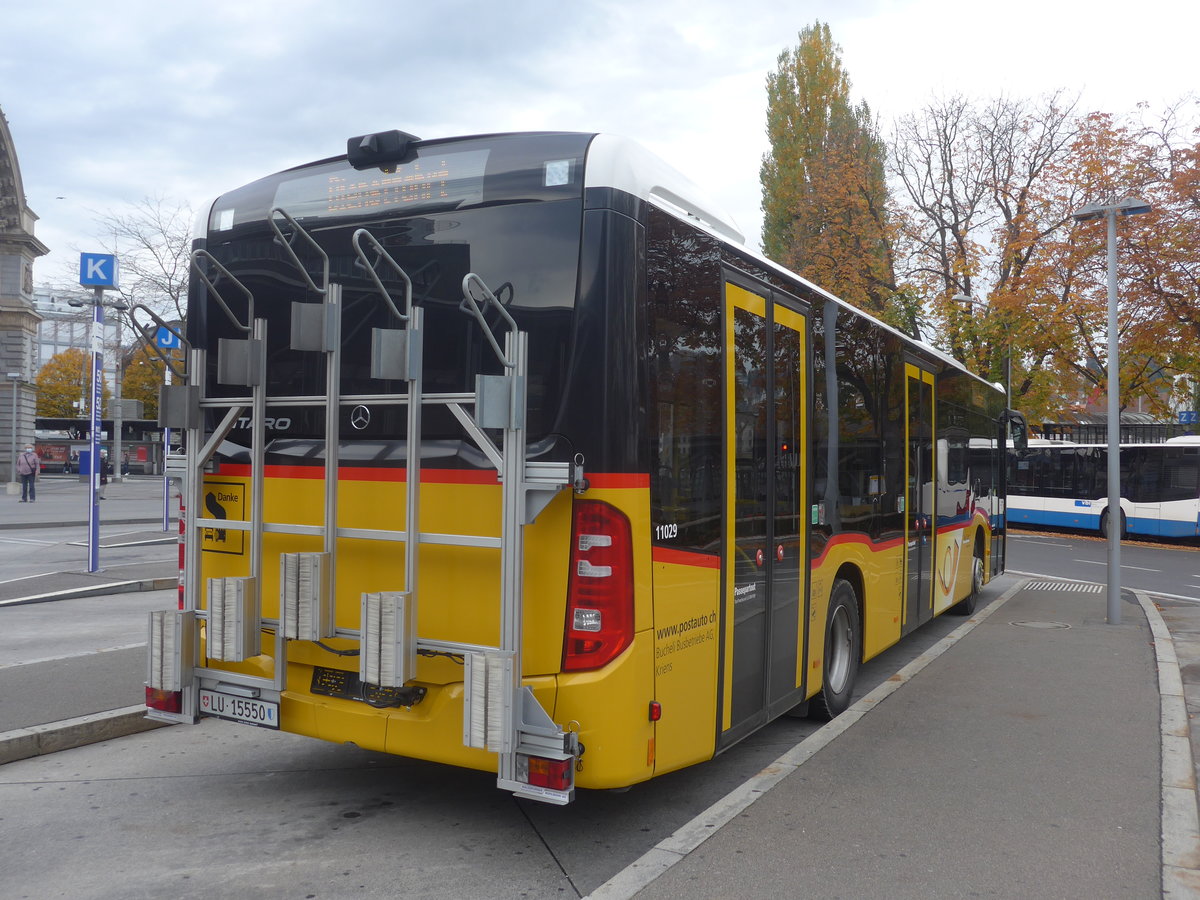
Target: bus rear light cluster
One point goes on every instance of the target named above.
(164, 701)
(539, 771)
(182, 545)
(600, 591)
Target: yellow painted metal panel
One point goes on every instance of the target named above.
(686, 630)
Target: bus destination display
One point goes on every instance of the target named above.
(453, 179)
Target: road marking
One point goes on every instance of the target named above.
(27, 577)
(46, 659)
(1039, 543)
(1092, 562)
(1124, 587)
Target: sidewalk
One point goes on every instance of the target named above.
(62, 501)
(1044, 753)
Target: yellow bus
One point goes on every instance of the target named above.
(506, 452)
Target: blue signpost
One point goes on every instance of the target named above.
(97, 271)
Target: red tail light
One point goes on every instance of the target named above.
(600, 590)
(164, 701)
(182, 538)
(539, 771)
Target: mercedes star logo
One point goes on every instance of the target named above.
(360, 417)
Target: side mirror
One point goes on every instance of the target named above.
(1016, 429)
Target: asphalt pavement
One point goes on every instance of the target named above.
(1036, 751)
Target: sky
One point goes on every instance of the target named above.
(111, 104)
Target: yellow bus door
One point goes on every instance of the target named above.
(920, 497)
(766, 535)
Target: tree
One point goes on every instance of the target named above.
(64, 381)
(982, 200)
(825, 197)
(142, 378)
(153, 242)
(990, 191)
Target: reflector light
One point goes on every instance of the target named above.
(586, 570)
(164, 701)
(588, 541)
(588, 620)
(599, 625)
(538, 771)
(655, 710)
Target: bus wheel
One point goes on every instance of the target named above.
(843, 652)
(968, 604)
(1104, 524)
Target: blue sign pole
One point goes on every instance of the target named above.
(94, 431)
(97, 271)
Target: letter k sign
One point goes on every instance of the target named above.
(98, 270)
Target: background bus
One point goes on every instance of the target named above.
(1066, 485)
(505, 452)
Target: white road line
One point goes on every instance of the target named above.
(27, 577)
(1093, 562)
(46, 659)
(1124, 587)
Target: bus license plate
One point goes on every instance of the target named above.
(240, 709)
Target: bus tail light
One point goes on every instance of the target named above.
(600, 590)
(164, 701)
(182, 546)
(540, 771)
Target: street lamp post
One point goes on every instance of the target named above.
(1130, 206)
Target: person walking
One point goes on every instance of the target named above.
(105, 469)
(28, 467)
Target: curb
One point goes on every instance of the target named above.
(4, 526)
(1180, 818)
(36, 740)
(99, 590)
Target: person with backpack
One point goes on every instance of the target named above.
(29, 466)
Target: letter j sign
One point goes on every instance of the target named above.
(98, 270)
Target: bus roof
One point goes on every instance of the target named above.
(623, 164)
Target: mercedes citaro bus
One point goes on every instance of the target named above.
(506, 452)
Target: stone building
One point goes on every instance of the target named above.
(18, 317)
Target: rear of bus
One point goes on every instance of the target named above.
(512, 210)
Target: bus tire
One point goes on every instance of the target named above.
(843, 652)
(1104, 524)
(968, 604)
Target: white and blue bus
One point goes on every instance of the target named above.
(1064, 484)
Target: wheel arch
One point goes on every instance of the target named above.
(851, 573)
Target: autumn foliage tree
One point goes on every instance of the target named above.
(981, 201)
(64, 381)
(989, 192)
(825, 196)
(142, 379)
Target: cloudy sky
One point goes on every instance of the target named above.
(109, 104)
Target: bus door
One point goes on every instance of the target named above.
(766, 484)
(920, 496)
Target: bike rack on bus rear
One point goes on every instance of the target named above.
(500, 714)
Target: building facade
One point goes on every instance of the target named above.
(18, 317)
